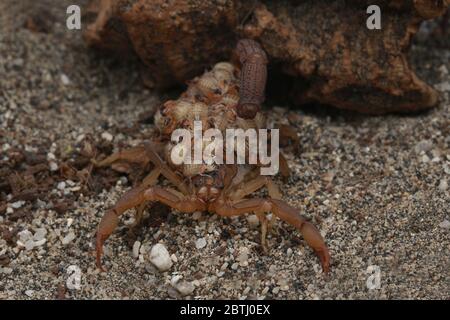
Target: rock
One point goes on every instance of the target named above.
(17, 204)
(175, 279)
(200, 243)
(29, 293)
(107, 136)
(160, 257)
(424, 145)
(443, 185)
(40, 242)
(7, 270)
(68, 238)
(136, 247)
(173, 293)
(197, 215)
(39, 234)
(150, 268)
(29, 245)
(445, 224)
(61, 185)
(202, 32)
(25, 235)
(242, 258)
(70, 183)
(65, 79)
(253, 220)
(185, 288)
(50, 156)
(53, 166)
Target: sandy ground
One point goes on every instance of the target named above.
(377, 187)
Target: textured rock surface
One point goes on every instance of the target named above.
(325, 47)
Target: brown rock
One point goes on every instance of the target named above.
(323, 46)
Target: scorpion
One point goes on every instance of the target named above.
(228, 96)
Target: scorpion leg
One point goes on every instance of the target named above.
(251, 186)
(134, 198)
(150, 180)
(247, 188)
(285, 213)
(108, 224)
(307, 229)
(132, 155)
(143, 155)
(284, 167)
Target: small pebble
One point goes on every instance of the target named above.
(197, 215)
(443, 185)
(445, 224)
(200, 243)
(107, 136)
(40, 242)
(136, 247)
(29, 293)
(424, 146)
(61, 185)
(253, 220)
(68, 238)
(53, 166)
(175, 279)
(25, 235)
(17, 204)
(39, 234)
(29, 245)
(185, 288)
(65, 79)
(7, 270)
(242, 258)
(160, 257)
(425, 158)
